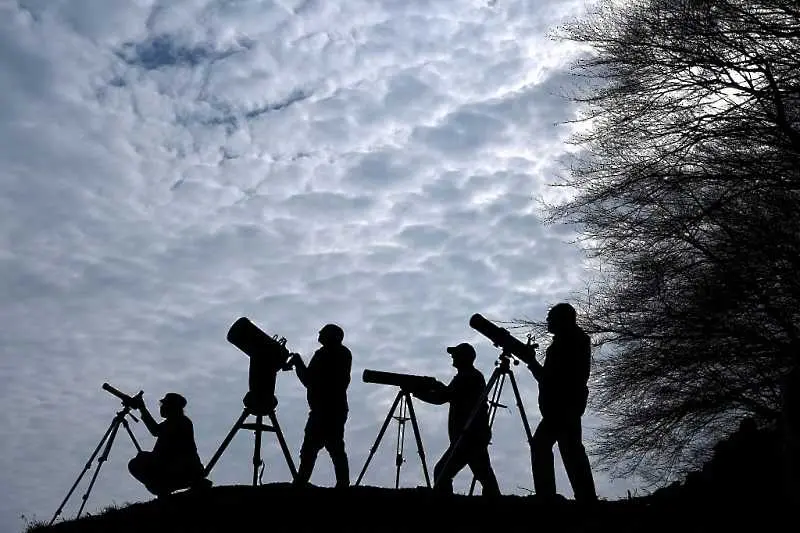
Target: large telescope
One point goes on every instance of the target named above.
(408, 382)
(267, 356)
(502, 338)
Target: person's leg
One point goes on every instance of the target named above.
(138, 466)
(334, 444)
(312, 444)
(576, 462)
(481, 465)
(544, 477)
(144, 468)
(447, 468)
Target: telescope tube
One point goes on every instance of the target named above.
(404, 381)
(502, 338)
(126, 400)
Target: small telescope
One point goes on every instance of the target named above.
(407, 382)
(502, 338)
(127, 401)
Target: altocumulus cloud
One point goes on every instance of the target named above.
(170, 166)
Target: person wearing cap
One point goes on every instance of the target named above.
(173, 463)
(326, 379)
(465, 392)
(563, 393)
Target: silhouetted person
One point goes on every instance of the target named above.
(563, 393)
(326, 380)
(173, 463)
(464, 392)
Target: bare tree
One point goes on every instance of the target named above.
(688, 195)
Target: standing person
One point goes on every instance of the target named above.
(563, 393)
(464, 393)
(326, 379)
(173, 463)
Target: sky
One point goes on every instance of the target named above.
(169, 166)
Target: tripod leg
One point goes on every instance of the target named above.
(494, 403)
(284, 447)
(400, 443)
(102, 459)
(131, 435)
(257, 449)
(525, 424)
(225, 443)
(451, 451)
(85, 469)
(380, 435)
(418, 438)
(282, 441)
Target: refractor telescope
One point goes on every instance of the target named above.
(503, 339)
(127, 401)
(407, 382)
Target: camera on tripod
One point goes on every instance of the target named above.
(268, 355)
(502, 338)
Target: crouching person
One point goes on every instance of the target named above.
(173, 463)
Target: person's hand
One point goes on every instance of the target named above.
(430, 385)
(438, 385)
(290, 361)
(137, 402)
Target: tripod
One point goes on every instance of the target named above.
(108, 439)
(494, 387)
(259, 411)
(403, 399)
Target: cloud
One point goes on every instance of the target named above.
(170, 166)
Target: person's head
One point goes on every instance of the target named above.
(561, 318)
(171, 404)
(330, 335)
(463, 355)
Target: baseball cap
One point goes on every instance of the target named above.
(464, 349)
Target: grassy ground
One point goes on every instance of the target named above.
(280, 507)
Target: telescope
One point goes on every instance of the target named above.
(407, 382)
(127, 401)
(502, 338)
(267, 356)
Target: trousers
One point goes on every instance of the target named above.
(324, 430)
(472, 454)
(566, 431)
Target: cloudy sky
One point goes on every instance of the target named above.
(169, 166)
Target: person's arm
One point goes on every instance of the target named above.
(537, 370)
(300, 369)
(341, 376)
(152, 426)
(534, 366)
(438, 394)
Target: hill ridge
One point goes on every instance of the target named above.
(279, 507)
